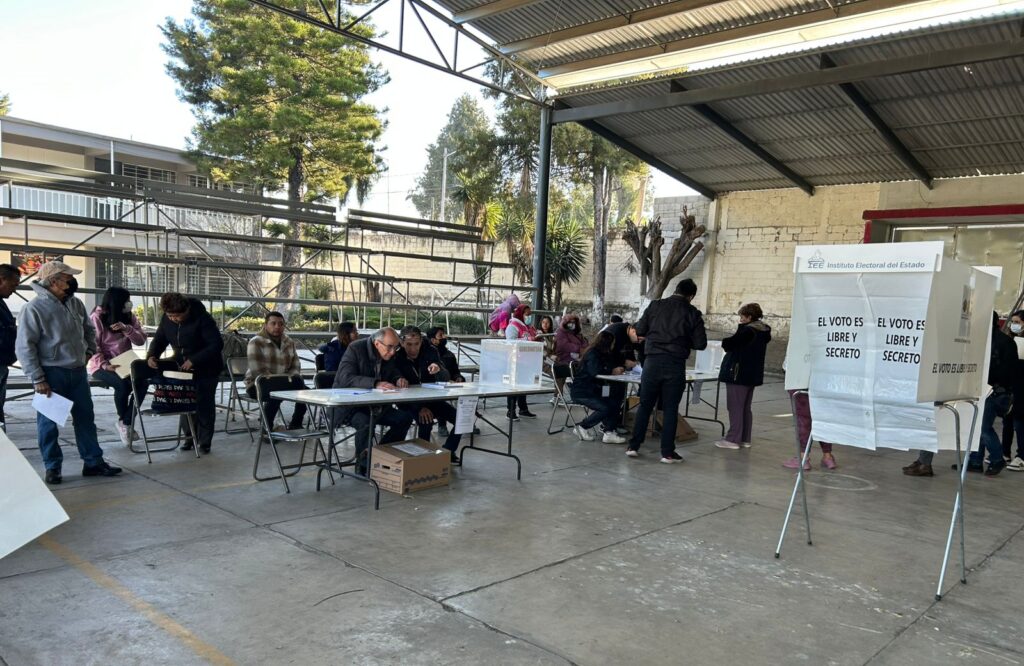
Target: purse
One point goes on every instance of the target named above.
(172, 394)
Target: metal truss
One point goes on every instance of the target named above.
(411, 14)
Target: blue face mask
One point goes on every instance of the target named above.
(529, 320)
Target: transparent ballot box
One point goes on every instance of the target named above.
(515, 363)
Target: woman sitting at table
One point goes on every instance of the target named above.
(592, 393)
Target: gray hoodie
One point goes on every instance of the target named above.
(53, 334)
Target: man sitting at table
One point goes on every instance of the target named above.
(419, 362)
(368, 364)
(272, 352)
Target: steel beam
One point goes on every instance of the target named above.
(719, 121)
(721, 36)
(493, 8)
(885, 133)
(822, 77)
(540, 229)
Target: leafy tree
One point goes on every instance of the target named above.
(278, 103)
(5, 104)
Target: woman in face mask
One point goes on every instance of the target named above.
(117, 330)
(569, 340)
(1014, 424)
(519, 328)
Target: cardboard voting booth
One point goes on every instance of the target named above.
(881, 332)
(515, 363)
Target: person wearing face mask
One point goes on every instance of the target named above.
(742, 371)
(439, 339)
(569, 340)
(519, 328)
(55, 339)
(117, 330)
(272, 352)
(1014, 422)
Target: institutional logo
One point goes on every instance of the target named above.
(816, 262)
(966, 311)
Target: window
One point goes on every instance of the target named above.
(195, 180)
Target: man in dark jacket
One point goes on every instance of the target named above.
(193, 335)
(419, 363)
(439, 339)
(335, 349)
(367, 364)
(671, 328)
(1002, 362)
(9, 279)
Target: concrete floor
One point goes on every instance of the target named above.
(591, 559)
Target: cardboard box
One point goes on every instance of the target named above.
(684, 433)
(406, 467)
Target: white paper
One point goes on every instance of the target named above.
(412, 449)
(1020, 348)
(465, 415)
(124, 363)
(57, 408)
(27, 507)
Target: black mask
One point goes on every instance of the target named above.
(72, 287)
(442, 344)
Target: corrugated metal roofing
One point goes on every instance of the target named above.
(956, 121)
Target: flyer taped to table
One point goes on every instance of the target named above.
(465, 416)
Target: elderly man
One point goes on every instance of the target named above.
(54, 341)
(9, 279)
(367, 364)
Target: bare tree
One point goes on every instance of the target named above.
(646, 241)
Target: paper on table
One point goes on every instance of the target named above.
(57, 408)
(348, 391)
(442, 385)
(27, 507)
(465, 415)
(124, 363)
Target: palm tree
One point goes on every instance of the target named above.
(566, 257)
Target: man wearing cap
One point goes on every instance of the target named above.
(55, 339)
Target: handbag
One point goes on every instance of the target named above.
(174, 394)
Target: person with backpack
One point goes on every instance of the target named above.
(117, 330)
(742, 371)
(188, 329)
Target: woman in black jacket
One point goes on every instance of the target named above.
(195, 338)
(592, 393)
(742, 371)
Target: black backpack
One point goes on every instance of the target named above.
(235, 345)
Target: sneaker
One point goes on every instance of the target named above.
(672, 458)
(744, 445)
(1016, 465)
(122, 430)
(204, 448)
(828, 462)
(442, 429)
(993, 470)
(971, 467)
(917, 469)
(726, 444)
(623, 431)
(611, 437)
(527, 414)
(102, 469)
(584, 433)
(455, 459)
(632, 453)
(511, 416)
(53, 477)
(794, 463)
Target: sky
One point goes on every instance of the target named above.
(98, 67)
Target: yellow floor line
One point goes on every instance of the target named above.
(202, 649)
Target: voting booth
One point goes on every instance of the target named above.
(514, 363)
(882, 332)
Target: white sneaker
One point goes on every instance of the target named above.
(1016, 465)
(726, 444)
(584, 434)
(632, 453)
(612, 437)
(122, 430)
(744, 445)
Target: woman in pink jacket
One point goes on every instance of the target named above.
(117, 330)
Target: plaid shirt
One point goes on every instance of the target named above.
(266, 358)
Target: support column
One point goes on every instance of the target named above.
(540, 232)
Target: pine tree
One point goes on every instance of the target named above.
(278, 103)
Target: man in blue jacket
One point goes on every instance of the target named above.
(9, 279)
(55, 340)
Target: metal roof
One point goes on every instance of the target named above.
(925, 122)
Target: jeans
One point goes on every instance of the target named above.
(272, 407)
(802, 411)
(396, 420)
(4, 373)
(738, 399)
(664, 379)
(602, 410)
(73, 384)
(443, 412)
(206, 407)
(997, 403)
(122, 391)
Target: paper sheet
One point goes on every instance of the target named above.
(57, 408)
(412, 449)
(465, 415)
(124, 363)
(27, 507)
(443, 386)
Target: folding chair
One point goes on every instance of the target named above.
(138, 413)
(319, 416)
(265, 385)
(237, 366)
(318, 362)
(561, 398)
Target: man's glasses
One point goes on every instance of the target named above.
(388, 347)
